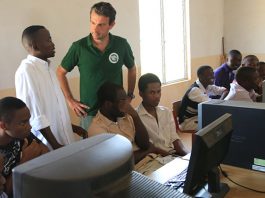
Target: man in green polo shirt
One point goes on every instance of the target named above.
(99, 57)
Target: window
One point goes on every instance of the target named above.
(163, 39)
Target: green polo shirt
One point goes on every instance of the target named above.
(96, 67)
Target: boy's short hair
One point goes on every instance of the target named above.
(8, 106)
(202, 69)
(108, 92)
(234, 52)
(104, 9)
(29, 33)
(251, 56)
(145, 79)
(244, 74)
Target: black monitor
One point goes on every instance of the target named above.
(208, 151)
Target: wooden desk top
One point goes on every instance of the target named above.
(249, 178)
(245, 177)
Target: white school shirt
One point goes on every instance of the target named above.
(238, 92)
(37, 85)
(200, 94)
(163, 133)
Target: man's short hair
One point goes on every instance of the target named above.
(8, 106)
(29, 34)
(202, 69)
(234, 52)
(108, 92)
(146, 79)
(251, 56)
(104, 9)
(244, 74)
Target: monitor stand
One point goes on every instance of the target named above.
(214, 188)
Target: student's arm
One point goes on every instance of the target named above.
(79, 131)
(131, 79)
(140, 154)
(75, 105)
(197, 95)
(180, 148)
(47, 133)
(141, 135)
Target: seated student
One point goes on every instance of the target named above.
(247, 79)
(37, 85)
(116, 115)
(158, 120)
(17, 143)
(224, 75)
(253, 61)
(250, 61)
(197, 93)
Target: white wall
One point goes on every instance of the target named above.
(240, 21)
(67, 22)
(206, 27)
(244, 26)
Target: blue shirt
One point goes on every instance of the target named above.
(223, 76)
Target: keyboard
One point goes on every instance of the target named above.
(143, 187)
(177, 181)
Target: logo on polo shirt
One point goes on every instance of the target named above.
(113, 57)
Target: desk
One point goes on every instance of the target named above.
(249, 178)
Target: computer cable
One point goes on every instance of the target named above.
(226, 176)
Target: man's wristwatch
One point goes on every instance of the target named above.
(131, 95)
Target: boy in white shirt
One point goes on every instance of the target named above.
(247, 79)
(37, 85)
(158, 120)
(197, 93)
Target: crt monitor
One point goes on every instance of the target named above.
(208, 151)
(89, 168)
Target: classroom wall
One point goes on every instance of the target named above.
(209, 21)
(70, 22)
(244, 26)
(67, 22)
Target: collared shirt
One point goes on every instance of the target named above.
(200, 94)
(237, 92)
(223, 76)
(163, 133)
(101, 124)
(96, 67)
(37, 85)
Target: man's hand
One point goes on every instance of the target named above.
(126, 107)
(78, 107)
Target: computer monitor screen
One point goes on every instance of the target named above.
(209, 149)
